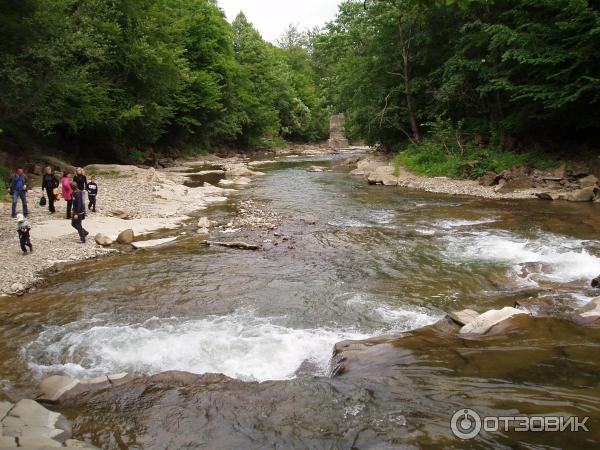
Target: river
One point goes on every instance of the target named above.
(352, 261)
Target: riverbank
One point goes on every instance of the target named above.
(143, 200)
(513, 184)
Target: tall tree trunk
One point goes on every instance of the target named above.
(410, 106)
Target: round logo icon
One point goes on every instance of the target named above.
(465, 424)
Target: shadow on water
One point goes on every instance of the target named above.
(350, 261)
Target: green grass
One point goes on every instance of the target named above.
(434, 158)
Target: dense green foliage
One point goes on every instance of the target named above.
(142, 74)
(518, 75)
(451, 79)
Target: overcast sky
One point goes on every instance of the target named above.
(272, 17)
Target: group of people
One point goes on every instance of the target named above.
(73, 189)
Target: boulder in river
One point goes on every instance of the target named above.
(463, 317)
(126, 237)
(316, 169)
(596, 282)
(378, 175)
(582, 195)
(103, 240)
(483, 323)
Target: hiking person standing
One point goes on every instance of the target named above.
(78, 212)
(67, 191)
(81, 180)
(18, 189)
(49, 184)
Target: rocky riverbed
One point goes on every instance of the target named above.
(223, 333)
(516, 183)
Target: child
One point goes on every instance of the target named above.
(23, 228)
(92, 188)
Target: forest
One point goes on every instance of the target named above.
(442, 81)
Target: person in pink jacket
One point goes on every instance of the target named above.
(67, 191)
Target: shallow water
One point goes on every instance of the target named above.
(358, 261)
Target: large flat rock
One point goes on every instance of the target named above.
(483, 323)
(29, 418)
(54, 387)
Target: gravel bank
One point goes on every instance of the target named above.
(151, 200)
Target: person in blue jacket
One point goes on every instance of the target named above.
(18, 189)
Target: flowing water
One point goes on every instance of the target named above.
(353, 261)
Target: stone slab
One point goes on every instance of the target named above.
(54, 387)
(152, 243)
(463, 317)
(483, 323)
(29, 418)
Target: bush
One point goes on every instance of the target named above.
(443, 153)
(432, 159)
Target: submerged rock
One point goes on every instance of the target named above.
(483, 323)
(315, 169)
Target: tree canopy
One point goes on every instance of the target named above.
(136, 73)
(516, 72)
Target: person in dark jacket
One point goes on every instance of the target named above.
(49, 183)
(92, 193)
(81, 180)
(23, 229)
(78, 212)
(18, 189)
